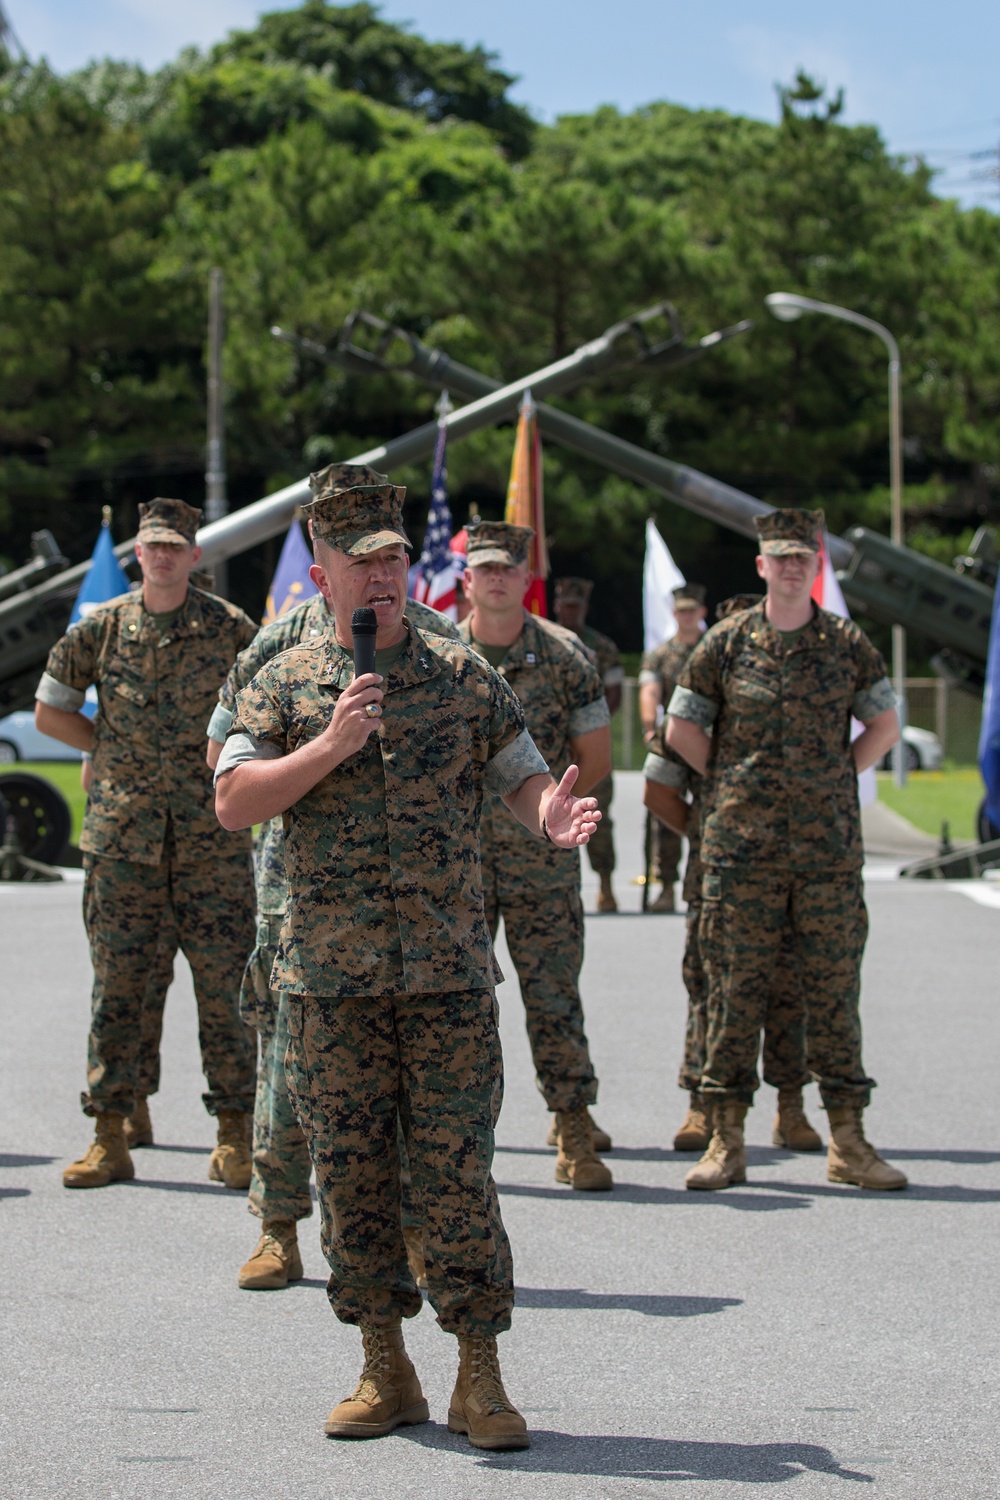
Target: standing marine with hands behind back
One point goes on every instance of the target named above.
(385, 955)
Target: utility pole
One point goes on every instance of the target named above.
(216, 504)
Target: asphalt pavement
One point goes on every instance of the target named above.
(787, 1333)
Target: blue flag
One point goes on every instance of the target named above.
(105, 579)
(291, 582)
(989, 734)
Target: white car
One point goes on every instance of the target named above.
(922, 751)
(20, 740)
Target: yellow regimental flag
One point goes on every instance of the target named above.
(526, 501)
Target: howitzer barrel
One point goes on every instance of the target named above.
(32, 621)
(685, 486)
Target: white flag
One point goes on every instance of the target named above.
(660, 576)
(829, 595)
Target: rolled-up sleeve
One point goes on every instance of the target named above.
(867, 705)
(666, 772)
(59, 695)
(686, 704)
(241, 748)
(512, 765)
(588, 717)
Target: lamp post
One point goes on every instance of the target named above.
(788, 306)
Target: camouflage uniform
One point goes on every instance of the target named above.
(664, 664)
(279, 1186)
(601, 849)
(153, 847)
(158, 982)
(781, 841)
(533, 886)
(388, 971)
(784, 1051)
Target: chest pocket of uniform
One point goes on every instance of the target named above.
(138, 693)
(442, 747)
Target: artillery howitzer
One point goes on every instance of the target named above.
(35, 607)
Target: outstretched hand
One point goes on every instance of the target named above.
(570, 821)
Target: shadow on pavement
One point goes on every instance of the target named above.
(218, 1188)
(631, 1192)
(12, 1159)
(649, 1458)
(961, 1158)
(185, 1150)
(916, 1192)
(15, 1192)
(652, 1306)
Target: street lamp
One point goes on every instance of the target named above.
(787, 306)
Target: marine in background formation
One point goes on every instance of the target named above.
(536, 889)
(658, 676)
(673, 793)
(763, 711)
(153, 848)
(385, 955)
(572, 598)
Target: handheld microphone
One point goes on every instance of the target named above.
(363, 628)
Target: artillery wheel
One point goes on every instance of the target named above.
(40, 814)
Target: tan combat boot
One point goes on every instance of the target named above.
(138, 1125)
(601, 1139)
(606, 896)
(725, 1161)
(276, 1260)
(578, 1162)
(388, 1393)
(664, 901)
(231, 1162)
(852, 1159)
(414, 1241)
(791, 1127)
(480, 1407)
(696, 1128)
(107, 1160)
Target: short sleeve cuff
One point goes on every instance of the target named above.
(685, 704)
(57, 695)
(874, 701)
(614, 677)
(646, 676)
(588, 718)
(511, 766)
(240, 748)
(666, 772)
(220, 723)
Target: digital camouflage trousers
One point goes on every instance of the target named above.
(435, 1060)
(784, 1049)
(126, 907)
(279, 1184)
(601, 849)
(544, 932)
(743, 919)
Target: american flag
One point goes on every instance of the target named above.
(434, 575)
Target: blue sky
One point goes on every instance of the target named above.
(924, 71)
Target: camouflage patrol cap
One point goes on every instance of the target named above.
(735, 603)
(168, 521)
(577, 590)
(498, 542)
(359, 519)
(689, 596)
(337, 477)
(785, 532)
